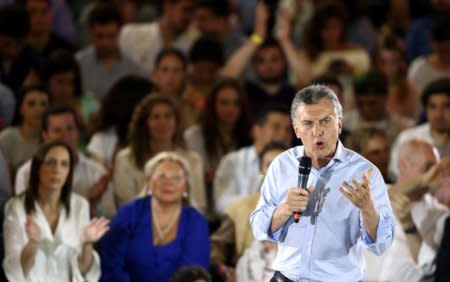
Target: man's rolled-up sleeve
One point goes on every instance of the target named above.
(386, 223)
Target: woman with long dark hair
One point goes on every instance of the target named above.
(156, 126)
(223, 127)
(19, 142)
(47, 232)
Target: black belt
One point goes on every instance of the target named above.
(278, 277)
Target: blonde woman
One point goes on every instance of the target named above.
(153, 236)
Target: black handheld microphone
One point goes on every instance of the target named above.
(304, 168)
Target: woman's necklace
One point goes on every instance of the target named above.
(162, 232)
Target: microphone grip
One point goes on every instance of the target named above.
(301, 182)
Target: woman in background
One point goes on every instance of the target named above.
(155, 127)
(19, 143)
(223, 126)
(153, 236)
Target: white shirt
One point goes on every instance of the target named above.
(57, 256)
(421, 132)
(141, 42)
(236, 176)
(397, 264)
(103, 144)
(421, 73)
(86, 173)
(195, 141)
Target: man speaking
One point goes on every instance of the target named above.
(344, 207)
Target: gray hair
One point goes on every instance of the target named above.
(312, 95)
(150, 167)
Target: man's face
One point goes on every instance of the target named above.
(9, 46)
(276, 128)
(318, 127)
(62, 127)
(269, 64)
(203, 72)
(105, 38)
(388, 62)
(438, 112)
(377, 151)
(371, 107)
(40, 15)
(179, 15)
(418, 163)
(206, 22)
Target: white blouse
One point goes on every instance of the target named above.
(57, 255)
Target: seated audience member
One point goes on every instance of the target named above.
(61, 75)
(153, 236)
(61, 123)
(235, 235)
(268, 60)
(170, 73)
(223, 126)
(102, 64)
(111, 130)
(436, 65)
(205, 61)
(7, 106)
(191, 274)
(213, 18)
(420, 218)
(40, 37)
(19, 143)
(403, 99)
(237, 175)
(48, 233)
(371, 94)
(326, 47)
(371, 143)
(436, 103)
(18, 62)
(143, 41)
(256, 262)
(155, 127)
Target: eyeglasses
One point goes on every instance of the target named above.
(167, 176)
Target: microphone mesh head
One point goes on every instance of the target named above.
(304, 166)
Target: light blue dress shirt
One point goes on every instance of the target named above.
(326, 244)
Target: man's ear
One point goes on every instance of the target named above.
(296, 130)
(340, 126)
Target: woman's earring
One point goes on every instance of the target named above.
(149, 190)
(185, 195)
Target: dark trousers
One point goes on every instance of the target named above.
(278, 277)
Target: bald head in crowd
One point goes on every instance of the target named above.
(415, 158)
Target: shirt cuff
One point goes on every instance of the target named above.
(262, 220)
(385, 230)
